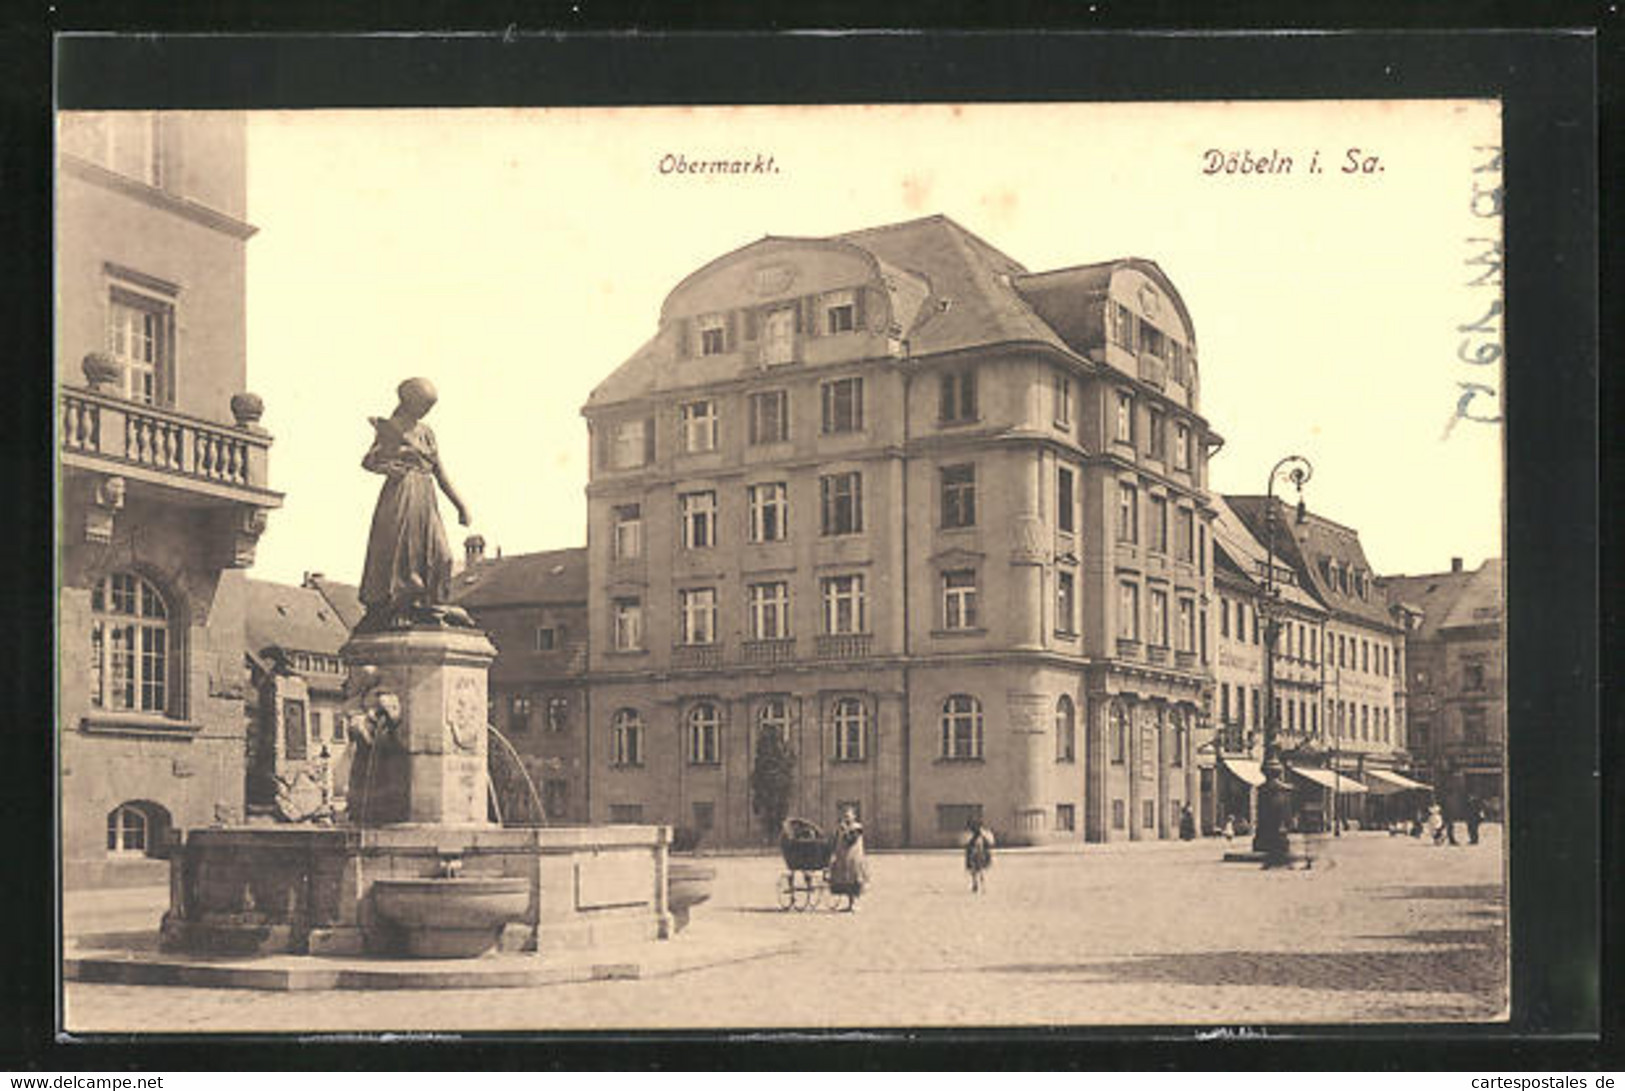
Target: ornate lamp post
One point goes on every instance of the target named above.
(1270, 836)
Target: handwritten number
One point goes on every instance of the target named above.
(1486, 354)
(1483, 324)
(1493, 164)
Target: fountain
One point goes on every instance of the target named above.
(418, 869)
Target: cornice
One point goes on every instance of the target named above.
(157, 198)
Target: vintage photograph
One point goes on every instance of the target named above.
(798, 567)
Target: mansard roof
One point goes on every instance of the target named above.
(1306, 546)
(550, 577)
(291, 618)
(1236, 545)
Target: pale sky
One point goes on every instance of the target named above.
(516, 257)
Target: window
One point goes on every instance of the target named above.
(1365, 656)
(127, 831)
(1124, 430)
(519, 712)
(1472, 676)
(1119, 733)
(626, 738)
(841, 501)
(141, 336)
(1342, 651)
(1184, 535)
(699, 514)
(958, 496)
(1474, 726)
(630, 814)
(1128, 513)
(1159, 619)
(1159, 524)
(1156, 438)
(1224, 617)
(699, 426)
(1201, 550)
(555, 798)
(957, 817)
(129, 646)
(1314, 645)
(1148, 814)
(769, 610)
(1182, 447)
(1187, 625)
(548, 638)
(713, 335)
(1224, 702)
(769, 417)
(1066, 818)
(127, 141)
(1066, 730)
(628, 532)
(840, 313)
(704, 734)
(1241, 622)
(1291, 716)
(1257, 719)
(779, 336)
(956, 402)
(845, 605)
(558, 714)
(1118, 814)
(628, 626)
(1066, 600)
(705, 814)
(631, 443)
(1066, 506)
(1063, 399)
(843, 406)
(961, 728)
(1128, 611)
(959, 599)
(697, 610)
(774, 716)
(851, 721)
(1177, 757)
(1387, 734)
(769, 511)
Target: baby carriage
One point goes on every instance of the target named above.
(806, 851)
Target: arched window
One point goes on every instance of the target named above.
(130, 649)
(704, 731)
(1119, 728)
(1066, 736)
(127, 831)
(851, 719)
(626, 738)
(774, 715)
(962, 728)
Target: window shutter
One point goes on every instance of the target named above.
(811, 324)
(857, 503)
(648, 440)
(732, 332)
(753, 318)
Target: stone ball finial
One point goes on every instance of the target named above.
(247, 408)
(101, 370)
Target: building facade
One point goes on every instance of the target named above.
(1457, 680)
(163, 491)
(533, 606)
(940, 523)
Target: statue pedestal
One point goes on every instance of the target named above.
(431, 768)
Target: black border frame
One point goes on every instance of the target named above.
(1547, 82)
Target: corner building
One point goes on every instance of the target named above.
(940, 522)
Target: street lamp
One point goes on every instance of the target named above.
(1270, 836)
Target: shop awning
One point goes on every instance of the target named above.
(1385, 783)
(1328, 779)
(1245, 769)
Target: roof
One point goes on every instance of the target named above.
(292, 618)
(958, 293)
(1072, 300)
(1236, 544)
(551, 576)
(344, 598)
(1448, 600)
(1316, 539)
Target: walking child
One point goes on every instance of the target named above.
(978, 854)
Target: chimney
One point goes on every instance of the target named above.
(473, 550)
(1455, 564)
(312, 581)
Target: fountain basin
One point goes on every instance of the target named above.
(687, 885)
(451, 917)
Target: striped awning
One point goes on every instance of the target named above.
(1384, 782)
(1328, 779)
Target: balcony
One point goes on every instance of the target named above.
(844, 645)
(161, 446)
(766, 652)
(696, 655)
(1156, 653)
(1128, 648)
(1153, 370)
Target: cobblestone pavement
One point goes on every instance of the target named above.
(1380, 929)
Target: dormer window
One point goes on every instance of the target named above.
(840, 313)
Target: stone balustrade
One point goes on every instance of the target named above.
(112, 428)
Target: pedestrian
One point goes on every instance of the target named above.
(1475, 818)
(1436, 823)
(979, 844)
(1187, 823)
(1229, 828)
(848, 868)
(1450, 816)
(1418, 822)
